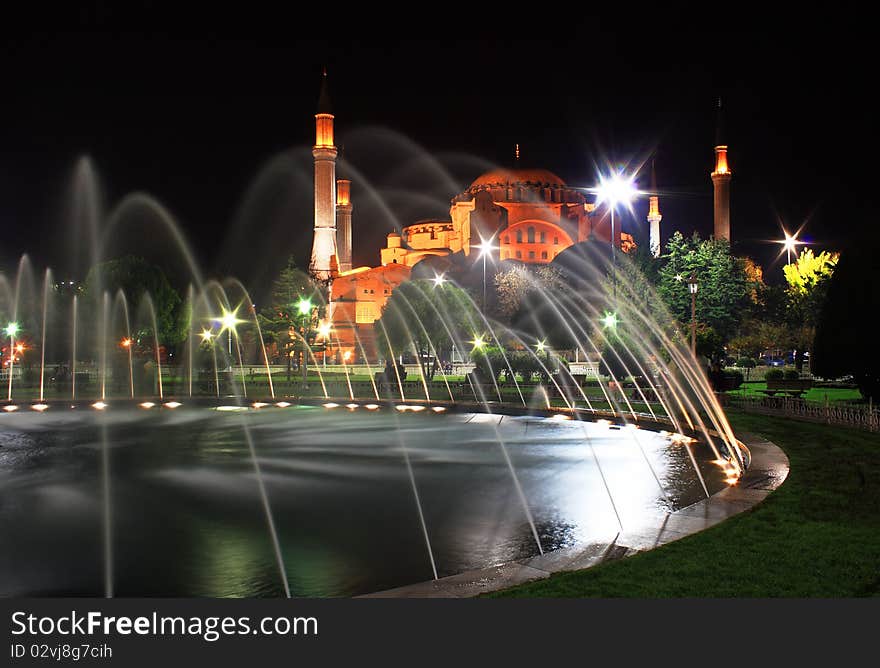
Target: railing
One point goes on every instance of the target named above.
(846, 415)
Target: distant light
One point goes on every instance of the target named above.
(19, 348)
(206, 335)
(304, 306)
(99, 405)
(125, 343)
(439, 280)
(331, 405)
(616, 189)
(10, 408)
(172, 404)
(259, 404)
(485, 247)
(371, 407)
(228, 320)
(478, 342)
(282, 404)
(146, 404)
(12, 329)
(324, 329)
(540, 346)
(346, 356)
(40, 407)
(609, 320)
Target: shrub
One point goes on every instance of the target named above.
(774, 374)
(733, 380)
(746, 363)
(791, 374)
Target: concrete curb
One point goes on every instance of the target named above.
(768, 470)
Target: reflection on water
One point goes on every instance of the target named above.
(187, 518)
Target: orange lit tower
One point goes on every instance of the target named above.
(324, 243)
(343, 223)
(654, 216)
(721, 181)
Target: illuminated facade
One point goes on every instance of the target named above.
(529, 215)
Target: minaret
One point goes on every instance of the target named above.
(654, 216)
(324, 243)
(343, 223)
(721, 181)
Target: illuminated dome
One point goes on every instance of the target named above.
(501, 177)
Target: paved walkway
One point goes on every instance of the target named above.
(768, 470)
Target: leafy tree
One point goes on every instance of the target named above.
(282, 322)
(137, 278)
(845, 342)
(808, 279)
(724, 286)
(420, 316)
(514, 286)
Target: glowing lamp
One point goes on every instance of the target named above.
(615, 190)
(12, 329)
(609, 320)
(304, 306)
(206, 335)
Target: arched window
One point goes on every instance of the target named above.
(506, 240)
(531, 235)
(543, 237)
(519, 254)
(543, 255)
(519, 236)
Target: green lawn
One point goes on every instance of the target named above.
(817, 394)
(817, 536)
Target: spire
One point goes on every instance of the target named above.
(516, 153)
(324, 97)
(719, 126)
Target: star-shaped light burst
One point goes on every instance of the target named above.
(304, 306)
(439, 279)
(228, 320)
(324, 329)
(616, 189)
(12, 329)
(609, 320)
(541, 346)
(206, 335)
(479, 342)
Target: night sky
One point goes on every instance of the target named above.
(218, 127)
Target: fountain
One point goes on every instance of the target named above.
(142, 458)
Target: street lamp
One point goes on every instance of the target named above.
(228, 321)
(486, 249)
(789, 243)
(479, 342)
(615, 190)
(693, 286)
(11, 331)
(609, 320)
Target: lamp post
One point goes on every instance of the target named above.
(486, 248)
(304, 309)
(693, 286)
(11, 331)
(615, 190)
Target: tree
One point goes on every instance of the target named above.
(724, 286)
(808, 279)
(285, 322)
(421, 317)
(845, 340)
(514, 285)
(137, 278)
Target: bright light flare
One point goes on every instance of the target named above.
(324, 329)
(609, 320)
(146, 404)
(479, 342)
(12, 329)
(346, 356)
(206, 335)
(172, 404)
(228, 320)
(541, 346)
(99, 405)
(351, 407)
(304, 306)
(438, 409)
(125, 343)
(439, 279)
(485, 247)
(10, 408)
(616, 189)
